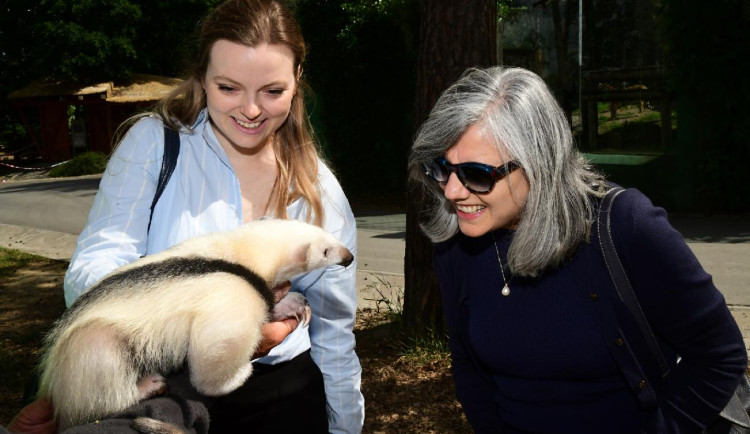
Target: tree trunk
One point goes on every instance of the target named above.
(452, 37)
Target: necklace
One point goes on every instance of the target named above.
(506, 288)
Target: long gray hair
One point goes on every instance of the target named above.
(516, 108)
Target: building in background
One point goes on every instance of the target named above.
(65, 119)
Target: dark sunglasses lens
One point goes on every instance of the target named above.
(437, 171)
(476, 179)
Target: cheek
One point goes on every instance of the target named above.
(280, 106)
(216, 101)
(515, 199)
(520, 190)
(507, 203)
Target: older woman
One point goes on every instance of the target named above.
(511, 209)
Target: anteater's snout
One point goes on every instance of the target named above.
(346, 257)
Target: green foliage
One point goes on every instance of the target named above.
(360, 13)
(510, 10)
(10, 134)
(16, 18)
(11, 260)
(90, 41)
(86, 40)
(385, 302)
(88, 163)
(362, 67)
(97, 40)
(167, 34)
(708, 71)
(429, 349)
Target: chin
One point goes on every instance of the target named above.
(473, 231)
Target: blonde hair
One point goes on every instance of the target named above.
(251, 23)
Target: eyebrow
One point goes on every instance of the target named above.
(277, 83)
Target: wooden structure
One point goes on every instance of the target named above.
(620, 85)
(105, 106)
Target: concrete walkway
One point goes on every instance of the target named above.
(721, 243)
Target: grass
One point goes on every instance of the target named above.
(415, 351)
(385, 304)
(30, 301)
(11, 260)
(425, 350)
(88, 163)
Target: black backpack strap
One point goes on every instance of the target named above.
(620, 278)
(168, 163)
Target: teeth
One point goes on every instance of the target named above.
(252, 125)
(470, 209)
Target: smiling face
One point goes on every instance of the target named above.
(249, 93)
(482, 213)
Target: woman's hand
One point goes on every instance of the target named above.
(273, 334)
(35, 418)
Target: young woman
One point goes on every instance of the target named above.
(513, 204)
(246, 151)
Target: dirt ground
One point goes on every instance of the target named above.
(402, 395)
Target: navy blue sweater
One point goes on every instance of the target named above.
(537, 361)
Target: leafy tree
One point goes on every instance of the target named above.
(167, 34)
(361, 69)
(90, 41)
(85, 40)
(510, 10)
(16, 17)
(101, 40)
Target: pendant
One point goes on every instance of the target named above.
(506, 291)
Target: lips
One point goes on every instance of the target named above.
(470, 209)
(248, 125)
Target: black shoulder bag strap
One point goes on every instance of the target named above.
(168, 163)
(736, 411)
(620, 279)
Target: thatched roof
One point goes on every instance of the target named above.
(143, 87)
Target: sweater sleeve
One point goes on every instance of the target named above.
(473, 388)
(686, 312)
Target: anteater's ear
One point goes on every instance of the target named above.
(298, 255)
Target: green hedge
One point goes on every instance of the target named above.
(88, 163)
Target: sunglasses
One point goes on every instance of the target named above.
(478, 178)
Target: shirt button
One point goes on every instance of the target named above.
(594, 296)
(642, 384)
(619, 342)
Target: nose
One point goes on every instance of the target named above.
(453, 188)
(250, 109)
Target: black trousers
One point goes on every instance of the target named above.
(288, 397)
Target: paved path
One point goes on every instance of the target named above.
(721, 243)
(44, 216)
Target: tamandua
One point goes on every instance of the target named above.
(203, 300)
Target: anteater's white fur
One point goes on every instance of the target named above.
(100, 349)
